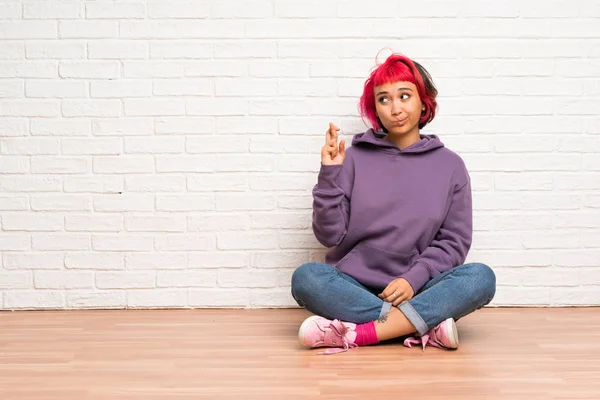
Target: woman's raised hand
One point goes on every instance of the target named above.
(331, 154)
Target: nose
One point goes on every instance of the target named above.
(396, 108)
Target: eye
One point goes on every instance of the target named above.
(382, 99)
(404, 96)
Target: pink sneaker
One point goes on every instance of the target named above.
(444, 336)
(317, 331)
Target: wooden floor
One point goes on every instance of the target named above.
(254, 354)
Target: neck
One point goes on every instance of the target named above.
(404, 140)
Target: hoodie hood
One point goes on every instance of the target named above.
(371, 138)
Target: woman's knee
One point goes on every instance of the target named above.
(484, 280)
(308, 278)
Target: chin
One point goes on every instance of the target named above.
(397, 132)
(402, 130)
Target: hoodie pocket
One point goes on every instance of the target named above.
(373, 266)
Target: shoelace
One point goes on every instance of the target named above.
(338, 330)
(427, 339)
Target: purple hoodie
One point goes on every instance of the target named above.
(392, 213)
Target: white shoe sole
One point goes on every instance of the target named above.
(452, 332)
(304, 327)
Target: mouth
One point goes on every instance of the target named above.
(400, 122)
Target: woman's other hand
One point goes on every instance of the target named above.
(331, 154)
(397, 292)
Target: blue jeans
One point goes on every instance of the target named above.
(332, 294)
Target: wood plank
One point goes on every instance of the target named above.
(505, 353)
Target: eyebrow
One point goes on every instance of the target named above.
(399, 89)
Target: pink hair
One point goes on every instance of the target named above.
(398, 67)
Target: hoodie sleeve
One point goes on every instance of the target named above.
(331, 202)
(450, 245)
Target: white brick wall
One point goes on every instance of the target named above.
(162, 154)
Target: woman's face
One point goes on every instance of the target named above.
(398, 107)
